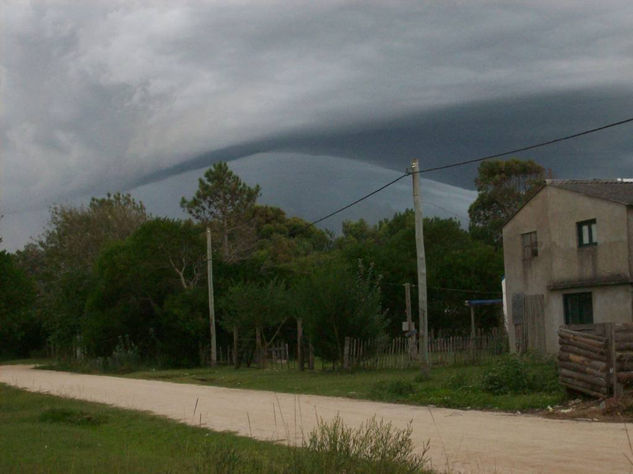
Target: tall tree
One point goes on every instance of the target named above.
(76, 235)
(503, 186)
(163, 260)
(225, 202)
(69, 249)
(335, 301)
(20, 331)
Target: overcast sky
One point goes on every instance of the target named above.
(106, 96)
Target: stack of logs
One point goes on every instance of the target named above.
(584, 362)
(596, 359)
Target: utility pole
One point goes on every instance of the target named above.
(214, 355)
(421, 261)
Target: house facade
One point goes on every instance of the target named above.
(568, 257)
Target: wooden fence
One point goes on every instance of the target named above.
(401, 353)
(395, 353)
(277, 356)
(596, 359)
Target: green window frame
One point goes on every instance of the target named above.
(587, 233)
(578, 308)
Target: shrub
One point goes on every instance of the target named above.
(516, 374)
(71, 417)
(375, 446)
(387, 389)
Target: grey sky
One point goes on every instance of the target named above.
(105, 96)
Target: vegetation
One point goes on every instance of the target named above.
(19, 328)
(499, 384)
(42, 433)
(503, 186)
(111, 287)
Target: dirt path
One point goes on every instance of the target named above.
(462, 441)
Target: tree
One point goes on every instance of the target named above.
(69, 249)
(281, 239)
(225, 202)
(458, 268)
(146, 288)
(256, 309)
(20, 331)
(503, 186)
(337, 301)
(76, 235)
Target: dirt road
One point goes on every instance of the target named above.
(462, 441)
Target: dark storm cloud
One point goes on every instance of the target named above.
(104, 95)
(451, 134)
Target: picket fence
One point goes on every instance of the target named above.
(394, 353)
(401, 352)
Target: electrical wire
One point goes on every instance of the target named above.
(359, 200)
(525, 148)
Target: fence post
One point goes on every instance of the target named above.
(310, 356)
(346, 354)
(236, 356)
(299, 343)
(613, 369)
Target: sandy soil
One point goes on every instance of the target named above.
(460, 441)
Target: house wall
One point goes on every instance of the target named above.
(531, 276)
(611, 304)
(553, 214)
(608, 259)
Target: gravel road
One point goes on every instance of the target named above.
(460, 441)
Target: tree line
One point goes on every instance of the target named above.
(108, 278)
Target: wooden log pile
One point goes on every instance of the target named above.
(596, 359)
(583, 362)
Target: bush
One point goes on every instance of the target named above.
(375, 446)
(72, 417)
(516, 374)
(387, 389)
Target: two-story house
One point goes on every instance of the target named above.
(568, 257)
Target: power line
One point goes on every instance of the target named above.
(359, 200)
(529, 147)
(474, 160)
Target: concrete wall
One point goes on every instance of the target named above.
(607, 259)
(553, 214)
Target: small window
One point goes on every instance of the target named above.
(578, 308)
(587, 233)
(530, 245)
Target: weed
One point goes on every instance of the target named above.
(521, 374)
(375, 446)
(422, 377)
(399, 388)
(71, 417)
(219, 458)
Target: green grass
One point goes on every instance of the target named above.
(453, 386)
(41, 433)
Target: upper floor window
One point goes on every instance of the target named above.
(530, 245)
(587, 233)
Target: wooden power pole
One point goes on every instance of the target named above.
(421, 261)
(214, 355)
(411, 339)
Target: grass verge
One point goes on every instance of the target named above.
(42, 433)
(507, 383)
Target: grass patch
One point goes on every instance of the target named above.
(72, 417)
(45, 434)
(507, 382)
